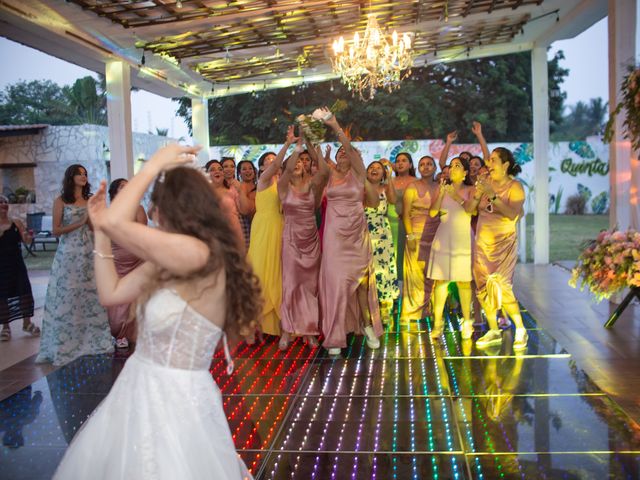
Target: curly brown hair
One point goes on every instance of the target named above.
(188, 204)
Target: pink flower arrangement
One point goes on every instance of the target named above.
(609, 264)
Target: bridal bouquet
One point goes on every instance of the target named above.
(313, 126)
(609, 264)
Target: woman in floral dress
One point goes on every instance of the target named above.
(384, 255)
(74, 322)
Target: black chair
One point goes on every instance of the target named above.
(40, 233)
(34, 226)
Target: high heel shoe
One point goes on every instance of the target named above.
(311, 341)
(283, 344)
(372, 341)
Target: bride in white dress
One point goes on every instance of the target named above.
(163, 418)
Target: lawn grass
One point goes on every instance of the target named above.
(567, 234)
(42, 260)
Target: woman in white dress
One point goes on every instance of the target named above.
(450, 256)
(163, 417)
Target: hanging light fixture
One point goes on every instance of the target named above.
(373, 62)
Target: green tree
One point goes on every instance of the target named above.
(43, 101)
(88, 99)
(432, 102)
(37, 101)
(583, 120)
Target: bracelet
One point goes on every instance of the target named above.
(103, 255)
(461, 202)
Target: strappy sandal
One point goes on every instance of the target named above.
(5, 335)
(32, 329)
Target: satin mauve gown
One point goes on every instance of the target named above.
(299, 311)
(346, 259)
(496, 251)
(122, 326)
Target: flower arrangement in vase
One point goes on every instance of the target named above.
(609, 264)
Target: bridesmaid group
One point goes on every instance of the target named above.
(339, 248)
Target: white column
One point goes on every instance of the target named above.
(540, 98)
(623, 168)
(200, 126)
(118, 78)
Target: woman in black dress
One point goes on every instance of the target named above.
(16, 299)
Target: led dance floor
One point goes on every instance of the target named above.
(413, 409)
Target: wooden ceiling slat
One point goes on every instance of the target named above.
(296, 26)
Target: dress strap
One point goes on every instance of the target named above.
(227, 355)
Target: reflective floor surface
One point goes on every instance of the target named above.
(412, 409)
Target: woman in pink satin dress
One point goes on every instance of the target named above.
(348, 297)
(300, 195)
(123, 325)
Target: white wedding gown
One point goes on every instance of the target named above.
(163, 418)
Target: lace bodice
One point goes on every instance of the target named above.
(174, 335)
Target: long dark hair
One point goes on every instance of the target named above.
(465, 164)
(412, 169)
(114, 186)
(68, 192)
(507, 157)
(187, 204)
(228, 159)
(263, 156)
(255, 170)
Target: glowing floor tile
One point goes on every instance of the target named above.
(518, 376)
(381, 466)
(546, 424)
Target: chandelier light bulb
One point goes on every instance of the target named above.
(373, 60)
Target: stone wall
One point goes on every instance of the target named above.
(53, 150)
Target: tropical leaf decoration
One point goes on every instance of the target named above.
(410, 146)
(234, 151)
(524, 153)
(253, 152)
(600, 204)
(584, 191)
(583, 149)
(557, 203)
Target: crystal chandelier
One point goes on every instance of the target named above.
(374, 62)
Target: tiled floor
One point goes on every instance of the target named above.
(412, 409)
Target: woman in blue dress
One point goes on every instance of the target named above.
(74, 322)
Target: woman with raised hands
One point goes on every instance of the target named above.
(450, 256)
(499, 201)
(348, 297)
(384, 255)
(193, 288)
(265, 246)
(300, 195)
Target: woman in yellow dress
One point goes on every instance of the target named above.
(265, 247)
(416, 203)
